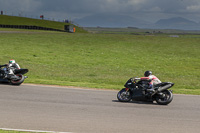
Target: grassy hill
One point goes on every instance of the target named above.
(13, 20)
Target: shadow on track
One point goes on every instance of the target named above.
(137, 102)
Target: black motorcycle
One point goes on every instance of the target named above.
(15, 79)
(139, 91)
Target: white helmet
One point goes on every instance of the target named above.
(11, 61)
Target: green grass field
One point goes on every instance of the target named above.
(104, 60)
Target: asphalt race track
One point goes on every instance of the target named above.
(61, 109)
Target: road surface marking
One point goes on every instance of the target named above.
(37, 131)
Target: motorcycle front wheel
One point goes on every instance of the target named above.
(165, 98)
(123, 95)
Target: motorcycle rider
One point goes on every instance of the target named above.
(11, 67)
(154, 80)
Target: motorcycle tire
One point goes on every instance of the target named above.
(166, 98)
(123, 95)
(17, 82)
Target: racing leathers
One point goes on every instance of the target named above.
(153, 81)
(11, 68)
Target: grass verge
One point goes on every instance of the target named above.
(2, 131)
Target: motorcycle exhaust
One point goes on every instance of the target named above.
(165, 87)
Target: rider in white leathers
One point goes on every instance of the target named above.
(154, 80)
(10, 68)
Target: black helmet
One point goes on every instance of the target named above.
(147, 73)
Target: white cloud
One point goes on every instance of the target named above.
(193, 8)
(136, 2)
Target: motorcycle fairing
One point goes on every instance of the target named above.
(21, 71)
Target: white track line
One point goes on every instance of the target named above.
(36, 131)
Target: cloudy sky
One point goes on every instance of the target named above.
(149, 10)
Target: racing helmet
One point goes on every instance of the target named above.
(11, 61)
(147, 73)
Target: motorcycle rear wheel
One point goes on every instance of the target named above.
(166, 98)
(18, 82)
(123, 95)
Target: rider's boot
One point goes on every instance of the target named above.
(151, 90)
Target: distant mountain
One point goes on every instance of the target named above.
(177, 23)
(111, 20)
(117, 20)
